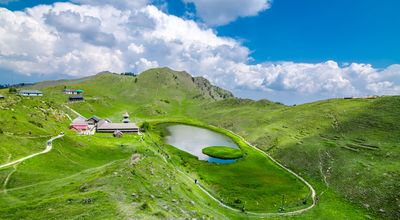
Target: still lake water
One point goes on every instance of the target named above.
(193, 139)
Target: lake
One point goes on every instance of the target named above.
(193, 139)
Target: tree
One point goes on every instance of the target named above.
(12, 90)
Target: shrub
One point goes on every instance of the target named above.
(38, 124)
(12, 90)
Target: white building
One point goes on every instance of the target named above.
(30, 93)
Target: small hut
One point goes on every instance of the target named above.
(76, 99)
(118, 134)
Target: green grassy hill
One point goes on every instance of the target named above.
(347, 149)
(350, 147)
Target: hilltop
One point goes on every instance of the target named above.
(348, 149)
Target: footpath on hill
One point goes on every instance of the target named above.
(266, 214)
(254, 214)
(49, 147)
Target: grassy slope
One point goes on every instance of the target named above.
(253, 182)
(25, 125)
(97, 180)
(311, 139)
(85, 177)
(154, 93)
(350, 146)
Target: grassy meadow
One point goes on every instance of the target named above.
(347, 149)
(254, 182)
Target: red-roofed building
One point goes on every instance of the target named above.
(79, 124)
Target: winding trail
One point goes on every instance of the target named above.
(313, 192)
(49, 147)
(8, 178)
(75, 112)
(253, 214)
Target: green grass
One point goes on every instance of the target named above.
(96, 180)
(253, 182)
(347, 149)
(314, 140)
(223, 152)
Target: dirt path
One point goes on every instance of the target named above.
(75, 112)
(313, 192)
(253, 214)
(8, 178)
(49, 147)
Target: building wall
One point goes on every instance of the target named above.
(31, 94)
(112, 130)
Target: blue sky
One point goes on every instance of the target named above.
(351, 46)
(314, 31)
(364, 31)
(308, 30)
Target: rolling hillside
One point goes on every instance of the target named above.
(348, 146)
(348, 149)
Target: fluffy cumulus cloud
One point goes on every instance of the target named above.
(220, 12)
(120, 4)
(87, 37)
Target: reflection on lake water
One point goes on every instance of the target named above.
(193, 139)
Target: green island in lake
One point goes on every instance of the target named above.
(223, 152)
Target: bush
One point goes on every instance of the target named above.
(12, 90)
(38, 124)
(145, 126)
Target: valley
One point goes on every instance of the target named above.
(347, 150)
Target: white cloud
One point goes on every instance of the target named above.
(78, 40)
(135, 48)
(120, 4)
(220, 12)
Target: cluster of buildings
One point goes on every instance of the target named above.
(76, 95)
(95, 124)
(73, 91)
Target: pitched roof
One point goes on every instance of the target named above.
(73, 90)
(80, 121)
(102, 121)
(76, 97)
(95, 118)
(117, 126)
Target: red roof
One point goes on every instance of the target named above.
(79, 127)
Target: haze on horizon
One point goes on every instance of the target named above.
(292, 52)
